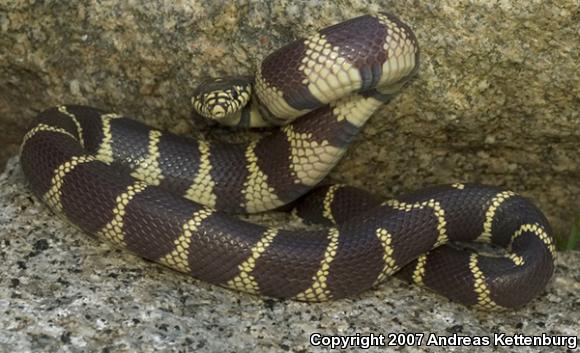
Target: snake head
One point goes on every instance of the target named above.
(218, 99)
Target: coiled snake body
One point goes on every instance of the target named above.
(165, 197)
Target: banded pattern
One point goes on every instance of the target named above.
(457, 212)
(53, 195)
(356, 55)
(167, 197)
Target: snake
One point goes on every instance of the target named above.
(177, 200)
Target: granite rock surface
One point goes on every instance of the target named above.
(497, 99)
(62, 291)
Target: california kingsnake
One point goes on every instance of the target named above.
(165, 197)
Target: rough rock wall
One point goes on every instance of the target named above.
(497, 100)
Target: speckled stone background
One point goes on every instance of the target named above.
(497, 101)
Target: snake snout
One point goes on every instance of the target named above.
(217, 104)
(218, 112)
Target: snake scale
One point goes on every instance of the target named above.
(170, 198)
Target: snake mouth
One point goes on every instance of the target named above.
(218, 112)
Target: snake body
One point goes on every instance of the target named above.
(169, 198)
